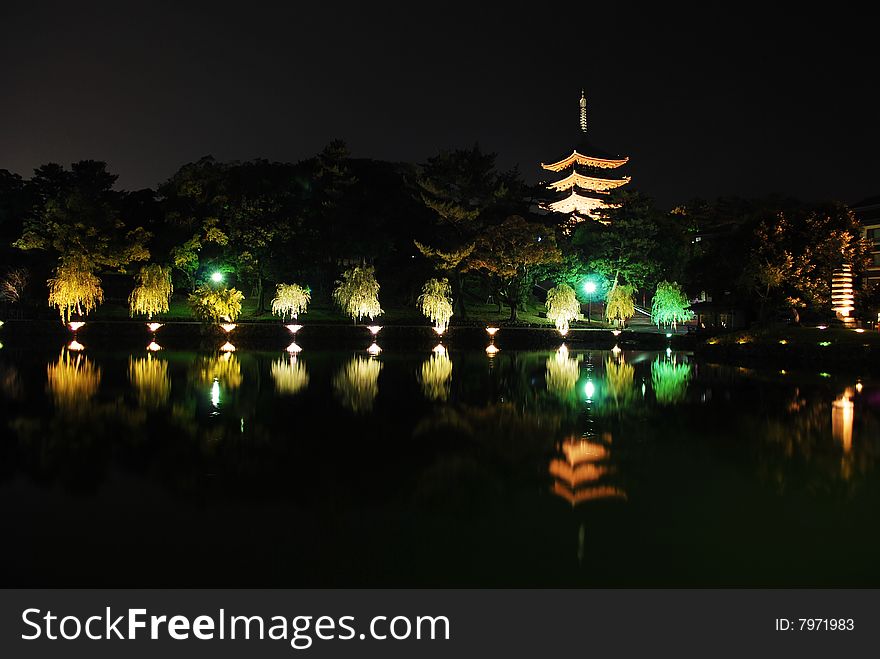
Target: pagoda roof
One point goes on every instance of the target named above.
(585, 153)
(590, 183)
(577, 203)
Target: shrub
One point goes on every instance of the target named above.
(216, 304)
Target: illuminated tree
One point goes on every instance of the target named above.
(620, 305)
(152, 293)
(14, 284)
(670, 305)
(435, 302)
(510, 254)
(562, 306)
(357, 293)
(216, 304)
(74, 289)
(290, 300)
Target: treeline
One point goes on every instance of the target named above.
(457, 222)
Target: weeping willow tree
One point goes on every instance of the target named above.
(75, 289)
(357, 293)
(435, 376)
(215, 304)
(290, 375)
(149, 377)
(152, 292)
(290, 300)
(670, 380)
(670, 305)
(620, 305)
(357, 384)
(562, 306)
(435, 303)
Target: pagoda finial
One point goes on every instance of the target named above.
(583, 104)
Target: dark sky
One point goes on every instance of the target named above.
(704, 102)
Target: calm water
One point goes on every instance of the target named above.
(333, 468)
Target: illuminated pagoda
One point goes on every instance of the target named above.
(584, 181)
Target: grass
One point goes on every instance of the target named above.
(394, 315)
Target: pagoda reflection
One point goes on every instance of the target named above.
(582, 470)
(842, 417)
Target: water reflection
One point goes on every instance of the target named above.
(669, 377)
(357, 383)
(73, 379)
(561, 372)
(580, 473)
(290, 375)
(149, 377)
(435, 376)
(842, 415)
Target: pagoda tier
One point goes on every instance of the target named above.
(587, 161)
(583, 190)
(584, 182)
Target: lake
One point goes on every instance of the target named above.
(565, 468)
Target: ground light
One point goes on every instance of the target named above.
(154, 327)
(374, 329)
(76, 325)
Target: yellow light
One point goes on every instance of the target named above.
(227, 327)
(492, 330)
(563, 350)
(293, 349)
(821, 327)
(782, 372)
(76, 325)
(374, 349)
(782, 342)
(154, 347)
(294, 328)
(374, 329)
(227, 347)
(153, 327)
(860, 330)
(439, 330)
(491, 350)
(76, 346)
(859, 387)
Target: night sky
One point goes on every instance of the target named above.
(704, 104)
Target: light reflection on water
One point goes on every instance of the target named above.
(566, 455)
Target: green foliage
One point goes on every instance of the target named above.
(669, 380)
(620, 304)
(74, 289)
(562, 306)
(670, 305)
(357, 293)
(152, 292)
(290, 300)
(510, 254)
(215, 304)
(436, 302)
(445, 260)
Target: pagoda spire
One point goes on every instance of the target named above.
(583, 104)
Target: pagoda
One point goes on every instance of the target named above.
(584, 182)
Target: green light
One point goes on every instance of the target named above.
(217, 277)
(668, 335)
(824, 343)
(589, 287)
(589, 389)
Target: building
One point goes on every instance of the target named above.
(868, 214)
(583, 177)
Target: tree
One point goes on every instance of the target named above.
(14, 284)
(670, 305)
(152, 293)
(357, 293)
(435, 302)
(562, 306)
(510, 254)
(620, 305)
(215, 304)
(290, 300)
(466, 194)
(74, 288)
